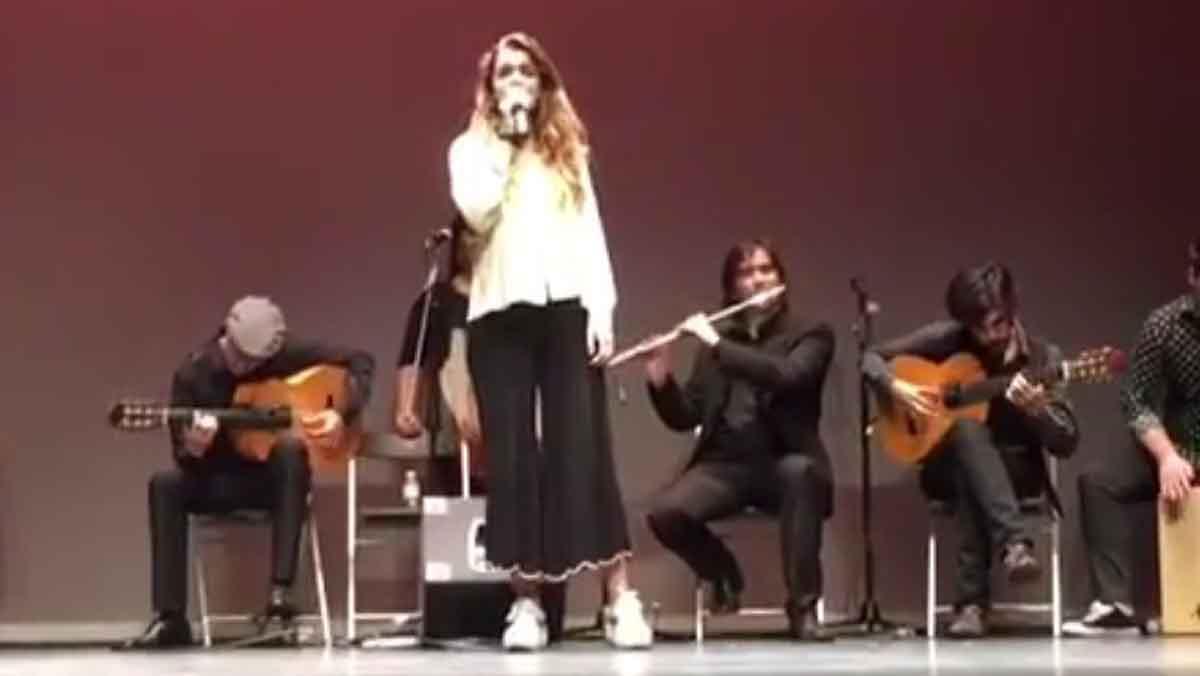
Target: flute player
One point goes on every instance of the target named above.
(755, 391)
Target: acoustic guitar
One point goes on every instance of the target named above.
(262, 410)
(966, 391)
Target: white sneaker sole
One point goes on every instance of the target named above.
(1080, 630)
(516, 647)
(513, 645)
(630, 643)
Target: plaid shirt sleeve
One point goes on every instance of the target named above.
(1144, 391)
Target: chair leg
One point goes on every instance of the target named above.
(1055, 580)
(201, 583)
(698, 610)
(1055, 558)
(351, 548)
(464, 470)
(931, 586)
(319, 578)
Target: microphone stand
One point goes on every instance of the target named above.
(433, 266)
(869, 619)
(399, 636)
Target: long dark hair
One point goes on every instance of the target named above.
(741, 252)
(973, 293)
(559, 135)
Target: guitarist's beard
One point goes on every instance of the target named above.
(1009, 349)
(996, 349)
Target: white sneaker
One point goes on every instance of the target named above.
(1104, 619)
(526, 626)
(625, 623)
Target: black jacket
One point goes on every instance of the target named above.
(204, 381)
(1055, 432)
(786, 367)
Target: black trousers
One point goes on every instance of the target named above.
(710, 489)
(1106, 495)
(983, 482)
(279, 485)
(554, 507)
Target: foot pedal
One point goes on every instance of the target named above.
(273, 632)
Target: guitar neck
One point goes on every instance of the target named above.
(991, 388)
(232, 418)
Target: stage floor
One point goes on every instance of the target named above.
(578, 658)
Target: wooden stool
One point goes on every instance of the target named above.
(1179, 565)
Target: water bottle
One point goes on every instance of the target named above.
(411, 492)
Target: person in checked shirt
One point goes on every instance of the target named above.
(1160, 399)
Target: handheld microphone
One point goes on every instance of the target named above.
(520, 120)
(516, 108)
(436, 238)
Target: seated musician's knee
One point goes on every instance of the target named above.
(166, 483)
(289, 454)
(797, 469)
(1086, 481)
(1092, 482)
(804, 487)
(968, 434)
(667, 522)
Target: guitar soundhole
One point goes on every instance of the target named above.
(910, 423)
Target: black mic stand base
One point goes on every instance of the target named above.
(869, 621)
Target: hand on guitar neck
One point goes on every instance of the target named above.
(323, 428)
(198, 436)
(1027, 396)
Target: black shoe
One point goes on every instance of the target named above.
(165, 631)
(724, 598)
(968, 622)
(279, 609)
(803, 624)
(1103, 620)
(1020, 562)
(277, 623)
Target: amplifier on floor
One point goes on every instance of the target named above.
(463, 597)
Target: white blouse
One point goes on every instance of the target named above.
(538, 245)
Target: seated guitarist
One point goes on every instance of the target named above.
(211, 477)
(983, 467)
